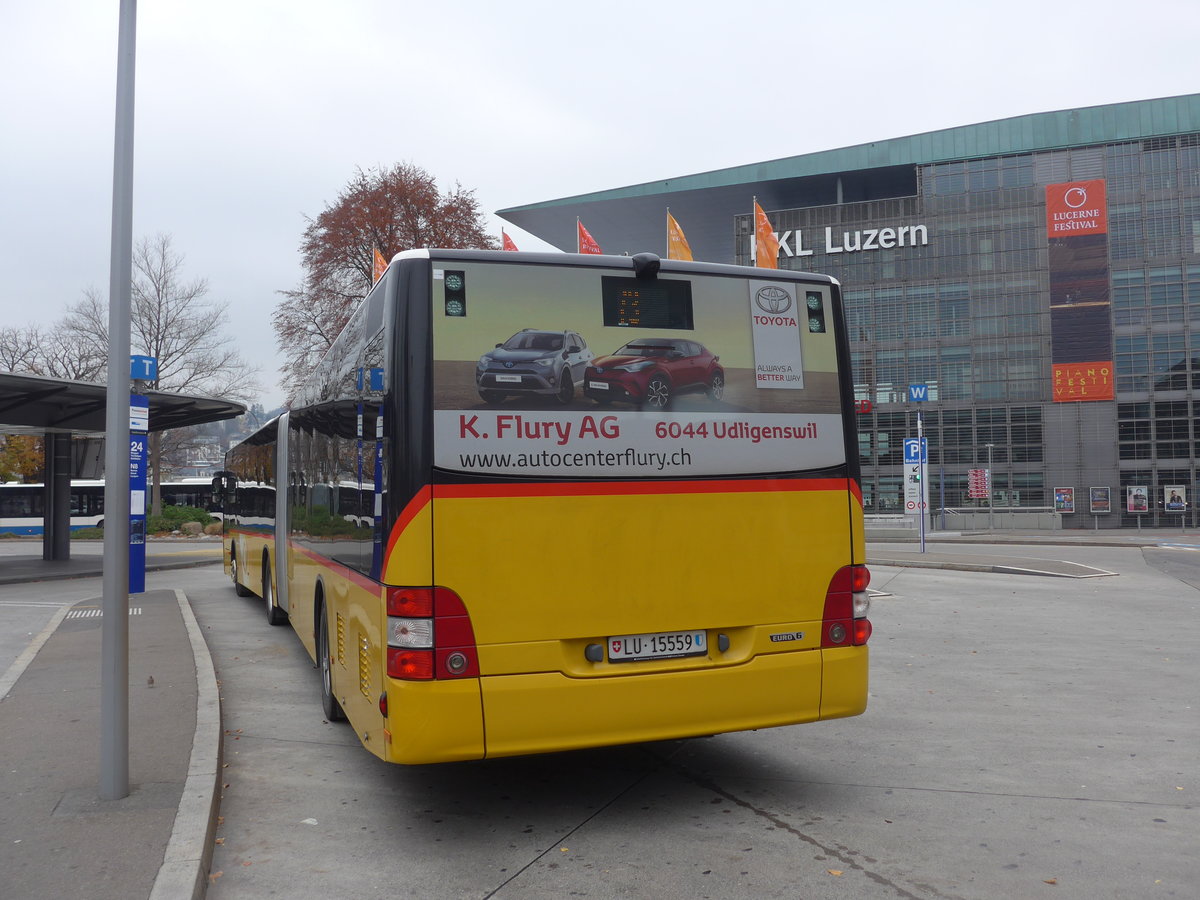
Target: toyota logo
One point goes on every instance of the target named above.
(773, 299)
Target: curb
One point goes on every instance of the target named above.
(21, 663)
(66, 576)
(189, 852)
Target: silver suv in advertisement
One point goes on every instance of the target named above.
(532, 361)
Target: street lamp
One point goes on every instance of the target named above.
(991, 489)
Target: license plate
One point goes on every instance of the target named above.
(662, 645)
(516, 379)
(598, 385)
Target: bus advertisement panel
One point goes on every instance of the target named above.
(604, 376)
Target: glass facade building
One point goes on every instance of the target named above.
(1037, 279)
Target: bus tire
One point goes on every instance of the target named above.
(329, 704)
(238, 587)
(275, 615)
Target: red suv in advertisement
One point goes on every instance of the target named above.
(650, 372)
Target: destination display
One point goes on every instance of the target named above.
(634, 303)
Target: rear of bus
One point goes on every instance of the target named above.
(627, 505)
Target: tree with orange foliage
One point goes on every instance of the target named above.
(389, 209)
(21, 458)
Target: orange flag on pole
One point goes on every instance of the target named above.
(380, 265)
(508, 242)
(766, 245)
(677, 245)
(586, 243)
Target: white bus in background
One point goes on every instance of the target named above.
(23, 506)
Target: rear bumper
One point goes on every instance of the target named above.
(547, 712)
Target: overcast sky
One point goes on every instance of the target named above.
(252, 114)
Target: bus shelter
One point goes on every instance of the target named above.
(58, 410)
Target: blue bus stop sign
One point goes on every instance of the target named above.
(143, 368)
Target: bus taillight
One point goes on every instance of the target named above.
(409, 665)
(429, 635)
(845, 623)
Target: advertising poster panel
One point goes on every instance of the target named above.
(595, 373)
(1081, 352)
(1137, 499)
(1175, 498)
(1064, 499)
(1100, 500)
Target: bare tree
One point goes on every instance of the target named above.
(174, 321)
(384, 209)
(20, 349)
(68, 353)
(306, 324)
(58, 352)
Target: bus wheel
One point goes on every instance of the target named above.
(238, 588)
(566, 388)
(275, 615)
(329, 704)
(658, 392)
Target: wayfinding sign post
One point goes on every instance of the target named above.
(142, 371)
(139, 425)
(917, 393)
(916, 487)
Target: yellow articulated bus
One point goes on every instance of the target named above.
(537, 502)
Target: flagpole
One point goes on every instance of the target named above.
(578, 245)
(754, 228)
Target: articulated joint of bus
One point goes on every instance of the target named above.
(429, 636)
(845, 623)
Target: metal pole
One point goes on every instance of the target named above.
(942, 494)
(114, 652)
(921, 492)
(991, 490)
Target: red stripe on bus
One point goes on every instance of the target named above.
(345, 571)
(641, 488)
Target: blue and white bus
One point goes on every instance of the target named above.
(23, 506)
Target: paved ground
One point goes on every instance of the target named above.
(21, 558)
(58, 839)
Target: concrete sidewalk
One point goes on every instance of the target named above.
(57, 837)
